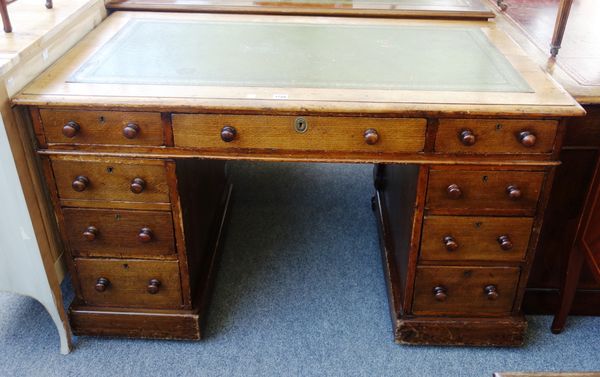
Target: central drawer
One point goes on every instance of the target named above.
(119, 233)
(129, 282)
(465, 290)
(311, 133)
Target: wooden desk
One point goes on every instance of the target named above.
(469, 138)
(463, 9)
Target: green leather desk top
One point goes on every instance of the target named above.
(302, 55)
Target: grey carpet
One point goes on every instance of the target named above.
(300, 292)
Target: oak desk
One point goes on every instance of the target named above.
(135, 124)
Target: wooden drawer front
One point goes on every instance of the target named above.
(279, 133)
(119, 233)
(494, 136)
(474, 190)
(111, 181)
(475, 238)
(102, 127)
(462, 290)
(128, 282)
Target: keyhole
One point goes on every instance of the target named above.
(478, 224)
(101, 119)
(109, 169)
(301, 125)
(125, 266)
(484, 178)
(117, 217)
(498, 127)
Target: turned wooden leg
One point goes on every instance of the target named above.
(5, 18)
(567, 293)
(559, 28)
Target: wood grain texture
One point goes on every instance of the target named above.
(154, 324)
(495, 136)
(503, 331)
(118, 233)
(128, 282)
(111, 180)
(102, 127)
(465, 290)
(477, 238)
(483, 192)
(278, 133)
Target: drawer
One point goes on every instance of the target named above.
(143, 181)
(495, 136)
(129, 282)
(480, 191)
(102, 127)
(459, 238)
(119, 233)
(463, 290)
(354, 134)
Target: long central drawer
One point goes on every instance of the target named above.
(354, 134)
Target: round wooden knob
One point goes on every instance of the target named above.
(131, 131)
(513, 192)
(80, 183)
(453, 191)
(450, 243)
(101, 284)
(71, 129)
(228, 134)
(527, 139)
(90, 233)
(505, 243)
(491, 292)
(145, 235)
(440, 293)
(137, 185)
(467, 137)
(371, 136)
(153, 286)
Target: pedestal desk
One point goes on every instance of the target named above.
(135, 124)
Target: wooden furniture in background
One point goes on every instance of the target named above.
(586, 248)
(530, 23)
(470, 160)
(560, 26)
(5, 17)
(462, 9)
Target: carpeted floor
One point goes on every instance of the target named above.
(300, 292)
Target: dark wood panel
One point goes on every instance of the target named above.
(119, 233)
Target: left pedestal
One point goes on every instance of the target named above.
(143, 239)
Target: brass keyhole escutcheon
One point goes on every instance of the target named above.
(498, 127)
(300, 125)
(101, 119)
(478, 224)
(109, 169)
(484, 178)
